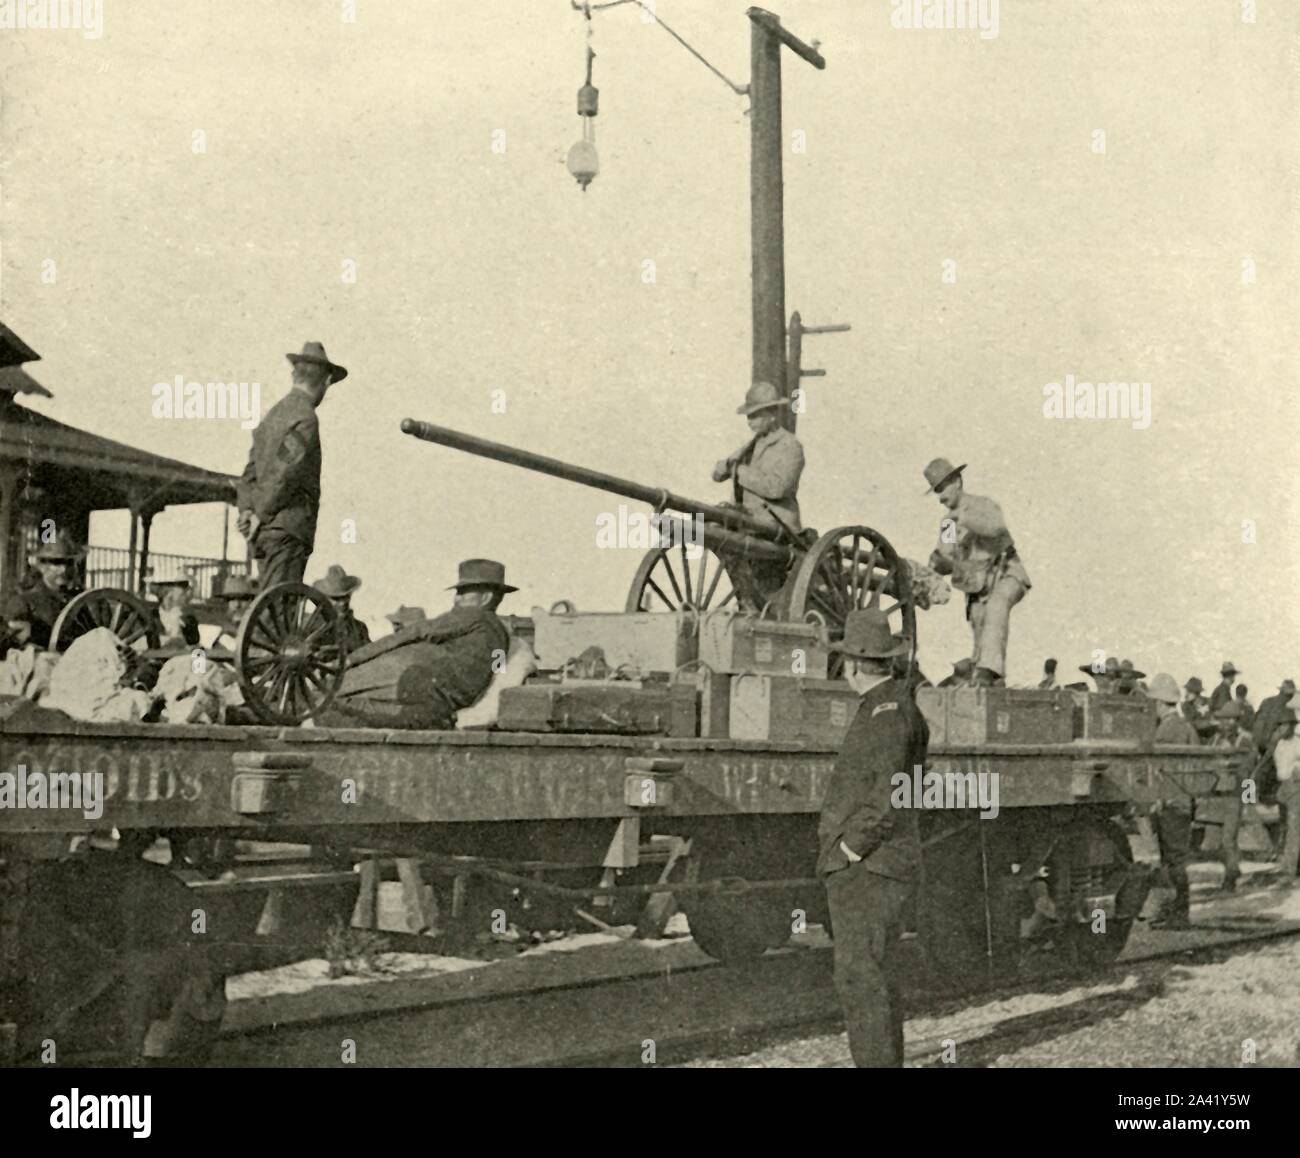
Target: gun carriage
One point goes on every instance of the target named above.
(741, 561)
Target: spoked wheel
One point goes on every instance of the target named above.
(1090, 870)
(848, 569)
(127, 616)
(290, 653)
(668, 579)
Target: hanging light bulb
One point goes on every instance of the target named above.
(584, 163)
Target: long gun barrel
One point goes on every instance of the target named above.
(731, 518)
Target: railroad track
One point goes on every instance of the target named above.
(700, 1009)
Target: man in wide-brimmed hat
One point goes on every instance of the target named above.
(870, 852)
(1222, 693)
(976, 549)
(422, 675)
(30, 612)
(1173, 817)
(279, 491)
(339, 586)
(1196, 708)
(1104, 678)
(765, 471)
(1129, 682)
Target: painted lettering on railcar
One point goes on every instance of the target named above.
(130, 777)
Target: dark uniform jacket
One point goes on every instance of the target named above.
(888, 736)
(1266, 715)
(456, 649)
(356, 634)
(281, 483)
(1221, 695)
(39, 605)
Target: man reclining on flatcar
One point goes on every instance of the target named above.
(421, 676)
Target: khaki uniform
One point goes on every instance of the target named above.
(976, 549)
(767, 476)
(281, 485)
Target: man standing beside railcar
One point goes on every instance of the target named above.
(870, 852)
(279, 491)
(977, 550)
(1173, 817)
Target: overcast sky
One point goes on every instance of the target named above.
(329, 142)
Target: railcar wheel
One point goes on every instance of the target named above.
(667, 579)
(127, 616)
(735, 928)
(290, 653)
(1091, 863)
(110, 970)
(848, 569)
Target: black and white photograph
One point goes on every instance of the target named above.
(650, 535)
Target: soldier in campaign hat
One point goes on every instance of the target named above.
(1107, 677)
(338, 585)
(1222, 693)
(279, 491)
(870, 851)
(423, 674)
(1129, 679)
(31, 611)
(766, 470)
(976, 549)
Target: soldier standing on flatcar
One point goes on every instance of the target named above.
(976, 549)
(279, 491)
(1173, 817)
(870, 851)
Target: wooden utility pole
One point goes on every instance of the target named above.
(767, 225)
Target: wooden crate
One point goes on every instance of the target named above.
(620, 707)
(733, 642)
(713, 699)
(815, 712)
(1008, 716)
(643, 642)
(1112, 717)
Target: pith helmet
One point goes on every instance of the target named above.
(314, 353)
(867, 636)
(1164, 688)
(760, 396)
(939, 471)
(482, 573)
